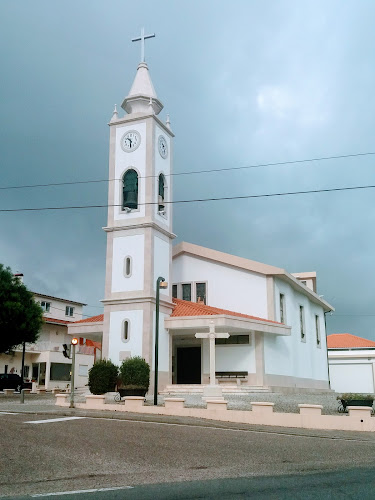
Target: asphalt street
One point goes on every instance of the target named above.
(43, 454)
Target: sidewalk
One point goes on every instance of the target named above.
(284, 403)
(45, 405)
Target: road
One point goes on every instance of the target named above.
(160, 460)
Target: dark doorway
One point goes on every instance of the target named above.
(188, 365)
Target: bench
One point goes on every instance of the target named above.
(232, 376)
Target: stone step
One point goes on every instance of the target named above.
(227, 389)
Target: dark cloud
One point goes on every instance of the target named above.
(253, 83)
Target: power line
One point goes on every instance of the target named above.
(198, 200)
(196, 172)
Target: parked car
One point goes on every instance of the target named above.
(12, 381)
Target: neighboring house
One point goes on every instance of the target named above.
(275, 319)
(351, 363)
(44, 360)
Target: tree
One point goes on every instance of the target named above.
(21, 318)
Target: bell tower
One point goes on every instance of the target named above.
(139, 227)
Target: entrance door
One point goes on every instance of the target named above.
(188, 365)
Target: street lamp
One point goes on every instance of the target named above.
(74, 342)
(160, 283)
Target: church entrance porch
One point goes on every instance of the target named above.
(188, 365)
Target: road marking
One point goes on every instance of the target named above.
(7, 413)
(76, 492)
(52, 420)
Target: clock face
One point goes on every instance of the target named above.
(163, 147)
(130, 141)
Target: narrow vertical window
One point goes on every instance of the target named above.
(317, 330)
(161, 193)
(186, 292)
(282, 308)
(125, 330)
(130, 190)
(174, 291)
(302, 322)
(201, 293)
(127, 267)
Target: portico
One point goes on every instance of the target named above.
(236, 343)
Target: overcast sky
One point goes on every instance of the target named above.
(245, 83)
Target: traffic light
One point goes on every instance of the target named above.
(66, 350)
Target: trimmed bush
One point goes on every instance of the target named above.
(135, 373)
(103, 377)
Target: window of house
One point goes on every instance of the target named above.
(282, 308)
(174, 291)
(201, 293)
(60, 371)
(302, 323)
(130, 190)
(69, 311)
(46, 306)
(234, 339)
(186, 292)
(317, 330)
(83, 370)
(127, 267)
(161, 193)
(125, 331)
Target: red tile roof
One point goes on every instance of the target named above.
(92, 319)
(185, 308)
(347, 341)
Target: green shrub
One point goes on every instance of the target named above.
(103, 377)
(356, 396)
(134, 373)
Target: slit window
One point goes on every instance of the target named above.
(128, 267)
(282, 308)
(125, 330)
(130, 190)
(174, 291)
(317, 330)
(302, 323)
(161, 193)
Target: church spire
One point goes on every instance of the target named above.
(142, 96)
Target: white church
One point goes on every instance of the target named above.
(267, 330)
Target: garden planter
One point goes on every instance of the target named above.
(140, 391)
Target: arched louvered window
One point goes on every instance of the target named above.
(161, 193)
(130, 190)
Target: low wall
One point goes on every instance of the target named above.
(310, 417)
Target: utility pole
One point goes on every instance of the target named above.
(74, 343)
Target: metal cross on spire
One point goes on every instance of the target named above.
(142, 39)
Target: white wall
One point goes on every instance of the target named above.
(163, 361)
(352, 377)
(124, 246)
(289, 355)
(161, 260)
(229, 288)
(235, 358)
(116, 344)
(124, 161)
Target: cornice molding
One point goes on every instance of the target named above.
(144, 225)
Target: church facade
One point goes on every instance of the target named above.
(274, 320)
